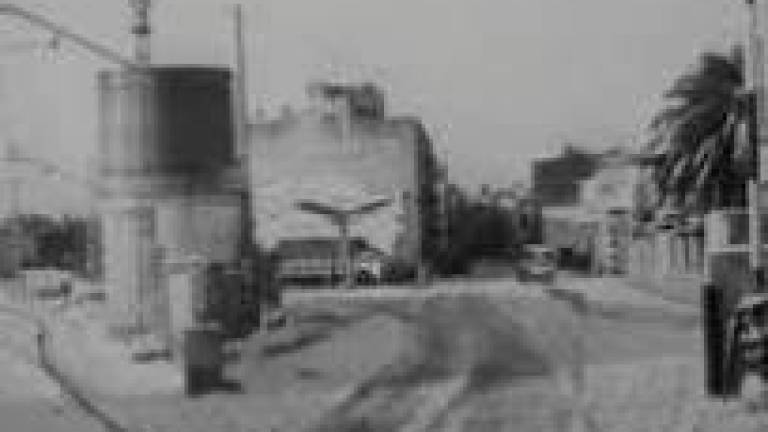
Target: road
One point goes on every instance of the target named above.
(477, 355)
(30, 401)
(496, 355)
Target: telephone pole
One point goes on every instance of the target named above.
(754, 83)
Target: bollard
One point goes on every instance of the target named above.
(714, 323)
(203, 358)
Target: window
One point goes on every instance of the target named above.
(738, 228)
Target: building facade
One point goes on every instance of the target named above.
(344, 151)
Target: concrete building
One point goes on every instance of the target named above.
(344, 151)
(557, 186)
(609, 198)
(556, 180)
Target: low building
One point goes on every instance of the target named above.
(609, 197)
(556, 180)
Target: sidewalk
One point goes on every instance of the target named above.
(283, 390)
(684, 289)
(286, 392)
(617, 297)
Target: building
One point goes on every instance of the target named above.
(666, 240)
(344, 151)
(609, 197)
(556, 181)
(171, 190)
(557, 185)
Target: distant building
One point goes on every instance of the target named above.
(344, 151)
(557, 184)
(609, 197)
(556, 180)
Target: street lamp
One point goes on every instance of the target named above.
(341, 218)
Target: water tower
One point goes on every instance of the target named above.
(168, 165)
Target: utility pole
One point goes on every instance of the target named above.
(754, 81)
(141, 31)
(240, 109)
(142, 57)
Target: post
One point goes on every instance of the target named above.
(418, 203)
(141, 30)
(755, 81)
(346, 252)
(240, 110)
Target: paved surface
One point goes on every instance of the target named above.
(284, 391)
(30, 401)
(102, 365)
(488, 355)
(684, 289)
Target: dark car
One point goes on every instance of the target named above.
(737, 343)
(750, 329)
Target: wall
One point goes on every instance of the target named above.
(556, 180)
(318, 157)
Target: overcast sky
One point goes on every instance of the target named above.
(497, 82)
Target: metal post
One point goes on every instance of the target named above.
(755, 82)
(346, 252)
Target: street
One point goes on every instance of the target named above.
(492, 361)
(487, 354)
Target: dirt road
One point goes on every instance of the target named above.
(497, 363)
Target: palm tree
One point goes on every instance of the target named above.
(708, 153)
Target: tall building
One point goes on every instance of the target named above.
(343, 151)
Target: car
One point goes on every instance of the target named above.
(368, 267)
(737, 344)
(750, 334)
(537, 263)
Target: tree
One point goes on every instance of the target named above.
(707, 153)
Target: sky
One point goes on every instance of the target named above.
(498, 83)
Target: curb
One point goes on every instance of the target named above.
(77, 394)
(583, 306)
(651, 286)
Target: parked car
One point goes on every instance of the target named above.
(736, 340)
(369, 265)
(537, 263)
(398, 271)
